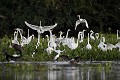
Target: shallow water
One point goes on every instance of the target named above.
(86, 70)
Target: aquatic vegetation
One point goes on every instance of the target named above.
(94, 54)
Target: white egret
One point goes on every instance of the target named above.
(110, 46)
(118, 45)
(65, 40)
(15, 40)
(58, 54)
(97, 35)
(20, 32)
(40, 29)
(91, 35)
(82, 36)
(81, 21)
(52, 41)
(49, 49)
(88, 46)
(72, 45)
(59, 40)
(102, 45)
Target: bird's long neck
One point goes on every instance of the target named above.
(78, 37)
(51, 36)
(83, 33)
(91, 34)
(88, 38)
(97, 35)
(40, 23)
(67, 34)
(79, 17)
(28, 32)
(117, 34)
(60, 35)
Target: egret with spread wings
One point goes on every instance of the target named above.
(40, 29)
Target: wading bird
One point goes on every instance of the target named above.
(81, 21)
(97, 35)
(88, 46)
(118, 45)
(72, 45)
(102, 44)
(65, 40)
(58, 54)
(91, 35)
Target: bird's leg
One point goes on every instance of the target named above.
(39, 40)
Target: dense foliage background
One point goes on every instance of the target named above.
(102, 15)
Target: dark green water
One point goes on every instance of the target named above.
(59, 71)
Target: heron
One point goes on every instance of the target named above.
(81, 21)
(72, 45)
(40, 29)
(91, 35)
(58, 54)
(102, 44)
(88, 46)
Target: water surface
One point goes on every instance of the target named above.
(105, 70)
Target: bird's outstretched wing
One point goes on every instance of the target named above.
(34, 27)
(47, 28)
(77, 23)
(86, 23)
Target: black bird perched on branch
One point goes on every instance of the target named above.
(10, 57)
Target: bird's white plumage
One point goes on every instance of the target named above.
(81, 21)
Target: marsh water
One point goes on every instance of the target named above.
(60, 71)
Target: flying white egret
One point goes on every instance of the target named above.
(88, 46)
(81, 21)
(40, 29)
(91, 35)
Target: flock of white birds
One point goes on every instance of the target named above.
(71, 42)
